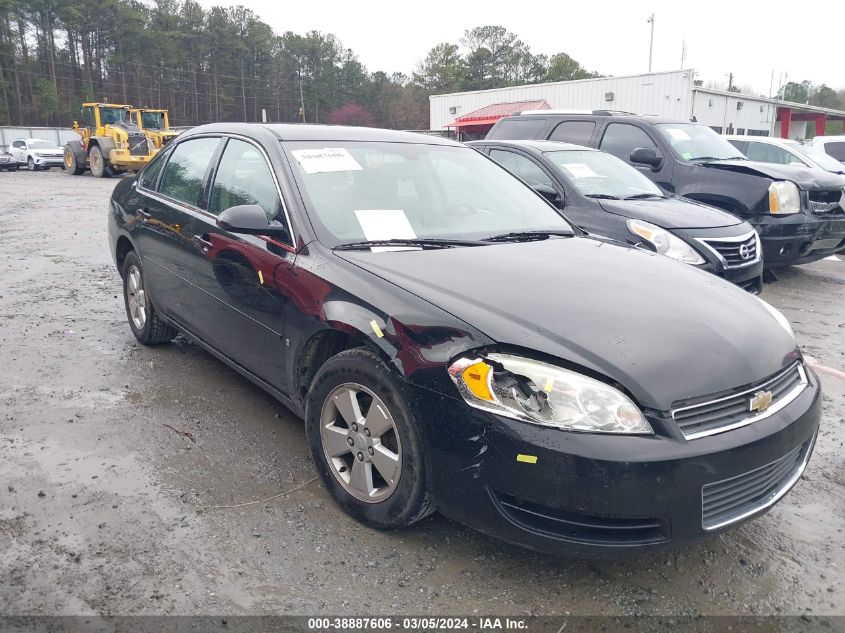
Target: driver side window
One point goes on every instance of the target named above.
(522, 167)
(620, 139)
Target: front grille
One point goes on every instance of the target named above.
(735, 251)
(731, 500)
(717, 415)
(580, 528)
(827, 202)
(138, 145)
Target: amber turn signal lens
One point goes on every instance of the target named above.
(477, 380)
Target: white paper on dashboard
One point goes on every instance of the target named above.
(386, 224)
(326, 159)
(678, 135)
(580, 170)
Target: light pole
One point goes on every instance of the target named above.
(651, 41)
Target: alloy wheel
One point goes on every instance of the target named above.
(136, 298)
(30, 164)
(361, 442)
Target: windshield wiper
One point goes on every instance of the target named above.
(412, 243)
(714, 158)
(601, 196)
(643, 196)
(528, 236)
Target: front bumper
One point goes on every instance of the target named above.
(48, 161)
(122, 160)
(596, 495)
(799, 238)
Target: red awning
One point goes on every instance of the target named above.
(488, 115)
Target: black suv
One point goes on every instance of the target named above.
(788, 206)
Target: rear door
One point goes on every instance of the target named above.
(578, 132)
(620, 139)
(240, 283)
(170, 191)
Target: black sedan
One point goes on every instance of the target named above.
(603, 195)
(463, 348)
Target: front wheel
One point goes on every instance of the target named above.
(30, 164)
(72, 165)
(99, 163)
(364, 441)
(145, 323)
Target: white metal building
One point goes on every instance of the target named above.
(670, 94)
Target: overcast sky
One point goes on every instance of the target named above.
(750, 39)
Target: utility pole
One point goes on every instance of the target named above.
(301, 97)
(730, 81)
(683, 52)
(651, 41)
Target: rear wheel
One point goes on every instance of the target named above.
(72, 165)
(145, 323)
(99, 164)
(364, 441)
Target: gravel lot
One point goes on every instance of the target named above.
(103, 508)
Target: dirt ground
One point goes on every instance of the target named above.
(103, 508)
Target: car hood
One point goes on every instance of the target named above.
(664, 330)
(671, 213)
(804, 177)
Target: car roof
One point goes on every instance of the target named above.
(645, 118)
(312, 132)
(542, 146)
(837, 138)
(771, 140)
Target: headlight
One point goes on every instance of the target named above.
(665, 243)
(784, 198)
(779, 317)
(544, 394)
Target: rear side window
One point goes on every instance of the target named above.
(742, 146)
(185, 171)
(577, 132)
(516, 129)
(243, 177)
(620, 139)
(837, 150)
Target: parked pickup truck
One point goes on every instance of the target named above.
(799, 213)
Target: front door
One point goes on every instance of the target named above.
(168, 195)
(620, 139)
(240, 282)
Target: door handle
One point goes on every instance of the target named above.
(143, 215)
(203, 243)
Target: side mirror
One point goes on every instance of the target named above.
(549, 194)
(647, 156)
(250, 219)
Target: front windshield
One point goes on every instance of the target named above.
(357, 191)
(152, 120)
(693, 142)
(43, 145)
(600, 174)
(110, 116)
(817, 156)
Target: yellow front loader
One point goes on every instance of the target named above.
(155, 123)
(111, 143)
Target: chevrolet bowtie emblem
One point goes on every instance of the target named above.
(761, 401)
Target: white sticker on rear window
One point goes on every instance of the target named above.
(580, 170)
(318, 161)
(385, 224)
(678, 135)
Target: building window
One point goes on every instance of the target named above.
(758, 132)
(740, 130)
(716, 128)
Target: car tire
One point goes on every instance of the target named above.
(360, 374)
(30, 164)
(145, 323)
